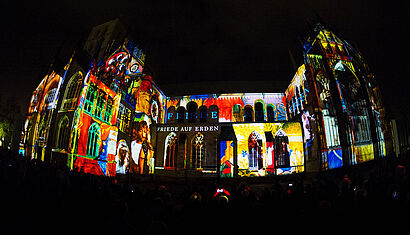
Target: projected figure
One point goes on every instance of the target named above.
(255, 151)
(281, 149)
(270, 141)
(122, 158)
(140, 149)
(142, 94)
(226, 169)
(307, 130)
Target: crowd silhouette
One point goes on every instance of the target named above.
(371, 197)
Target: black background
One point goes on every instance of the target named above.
(207, 41)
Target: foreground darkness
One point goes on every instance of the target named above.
(369, 198)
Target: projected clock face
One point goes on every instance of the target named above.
(134, 68)
(154, 110)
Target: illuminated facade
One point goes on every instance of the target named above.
(102, 114)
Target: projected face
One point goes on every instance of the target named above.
(122, 153)
(253, 140)
(140, 133)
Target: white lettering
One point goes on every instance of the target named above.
(187, 128)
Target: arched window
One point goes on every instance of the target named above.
(181, 115)
(255, 151)
(287, 108)
(124, 118)
(213, 114)
(248, 113)
(198, 151)
(192, 108)
(295, 106)
(259, 112)
(93, 141)
(49, 98)
(203, 114)
(270, 110)
(291, 108)
(182, 148)
(108, 110)
(171, 149)
(299, 101)
(90, 98)
(280, 112)
(281, 149)
(63, 133)
(171, 115)
(269, 152)
(72, 92)
(236, 113)
(100, 106)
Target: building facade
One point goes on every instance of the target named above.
(102, 114)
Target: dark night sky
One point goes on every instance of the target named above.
(206, 41)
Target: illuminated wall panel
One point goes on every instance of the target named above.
(267, 148)
(113, 118)
(232, 106)
(226, 159)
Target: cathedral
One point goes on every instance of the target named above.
(101, 113)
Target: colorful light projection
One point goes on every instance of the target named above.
(333, 46)
(95, 137)
(226, 159)
(121, 66)
(148, 98)
(142, 151)
(269, 148)
(122, 72)
(339, 80)
(122, 157)
(308, 134)
(38, 122)
(335, 159)
(346, 101)
(233, 107)
(330, 142)
(94, 140)
(44, 97)
(296, 93)
(99, 153)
